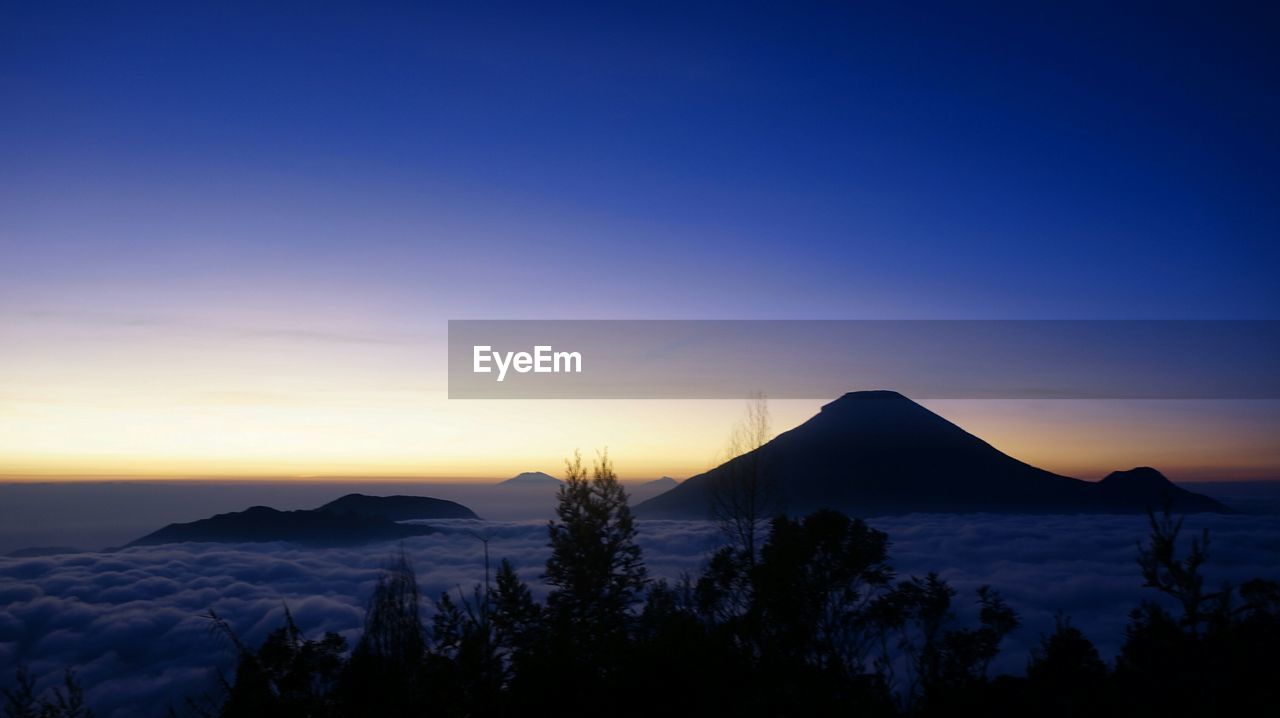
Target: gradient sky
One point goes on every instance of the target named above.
(230, 236)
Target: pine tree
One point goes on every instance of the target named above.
(517, 618)
(595, 567)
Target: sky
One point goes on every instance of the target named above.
(231, 236)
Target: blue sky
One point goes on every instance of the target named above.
(821, 162)
(369, 171)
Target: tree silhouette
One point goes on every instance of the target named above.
(1066, 676)
(1215, 657)
(595, 568)
(287, 676)
(596, 575)
(815, 580)
(393, 625)
(517, 619)
(943, 666)
(1179, 578)
(386, 672)
(745, 498)
(65, 701)
(464, 670)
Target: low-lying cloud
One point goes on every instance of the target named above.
(131, 622)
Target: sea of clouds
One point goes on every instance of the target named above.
(131, 622)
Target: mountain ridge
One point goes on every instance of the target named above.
(350, 519)
(399, 507)
(879, 452)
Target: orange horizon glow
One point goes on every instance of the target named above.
(107, 396)
(1188, 441)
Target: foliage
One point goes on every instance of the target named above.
(1066, 676)
(65, 701)
(595, 569)
(1213, 654)
(288, 675)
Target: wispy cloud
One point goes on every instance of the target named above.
(172, 325)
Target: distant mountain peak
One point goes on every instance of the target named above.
(531, 478)
(664, 481)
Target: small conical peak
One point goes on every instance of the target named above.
(530, 478)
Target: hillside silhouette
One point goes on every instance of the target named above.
(399, 508)
(352, 519)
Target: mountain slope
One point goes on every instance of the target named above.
(877, 452)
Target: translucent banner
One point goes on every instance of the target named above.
(924, 359)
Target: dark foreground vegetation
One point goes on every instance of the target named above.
(812, 622)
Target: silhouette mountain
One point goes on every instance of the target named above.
(262, 523)
(878, 452)
(648, 489)
(399, 508)
(1139, 485)
(531, 478)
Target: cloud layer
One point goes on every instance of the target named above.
(131, 621)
